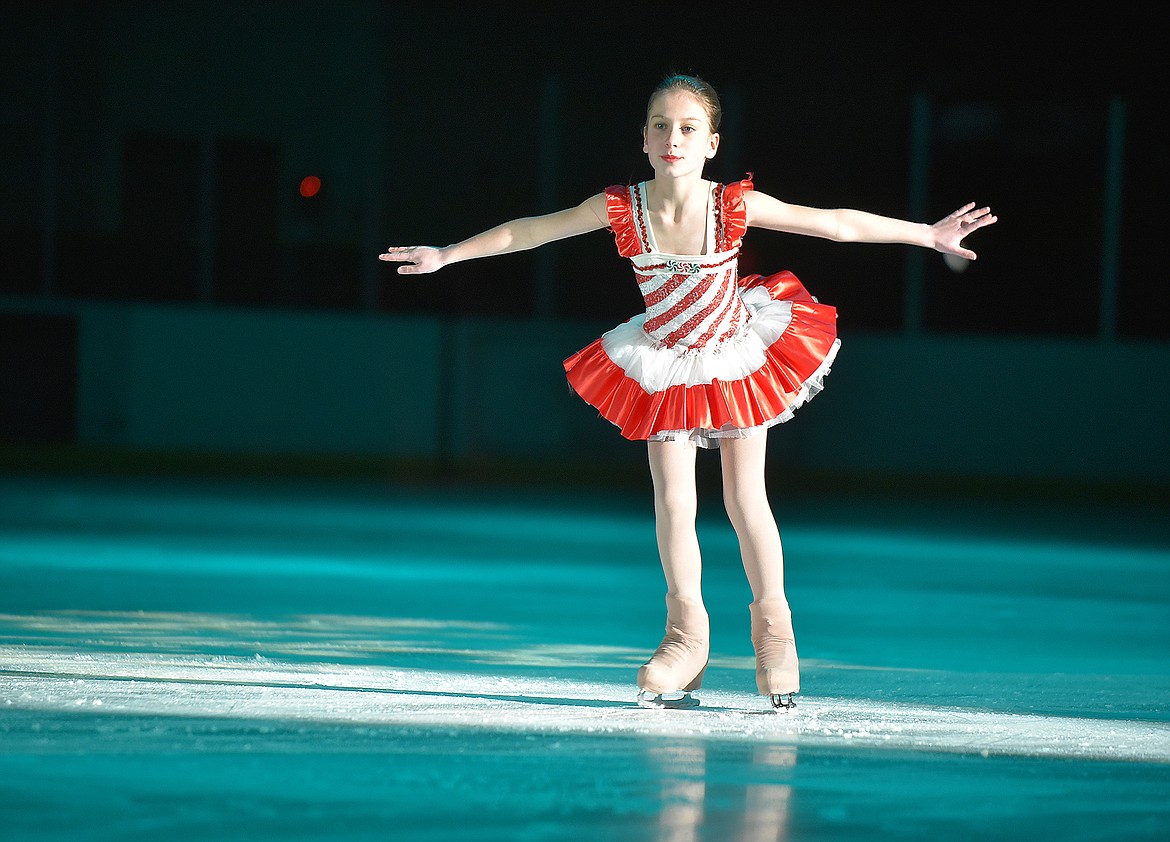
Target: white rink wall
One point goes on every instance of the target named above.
(185, 378)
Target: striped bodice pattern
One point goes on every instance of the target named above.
(692, 302)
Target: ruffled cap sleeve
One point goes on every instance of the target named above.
(621, 220)
(734, 213)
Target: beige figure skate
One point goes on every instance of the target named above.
(676, 668)
(777, 667)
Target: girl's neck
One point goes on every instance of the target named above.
(674, 195)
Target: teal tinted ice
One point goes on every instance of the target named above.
(253, 660)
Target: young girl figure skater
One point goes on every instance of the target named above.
(715, 360)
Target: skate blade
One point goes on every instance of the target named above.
(681, 700)
(783, 702)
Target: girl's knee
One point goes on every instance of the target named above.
(677, 503)
(746, 506)
(736, 512)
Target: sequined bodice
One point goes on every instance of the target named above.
(692, 301)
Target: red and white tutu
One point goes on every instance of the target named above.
(715, 355)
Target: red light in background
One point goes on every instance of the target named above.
(310, 184)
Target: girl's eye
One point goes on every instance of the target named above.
(688, 128)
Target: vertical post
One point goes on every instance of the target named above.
(205, 233)
(372, 234)
(548, 176)
(50, 160)
(1111, 218)
(920, 142)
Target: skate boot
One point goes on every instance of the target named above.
(677, 666)
(777, 668)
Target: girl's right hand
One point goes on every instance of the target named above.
(948, 232)
(415, 260)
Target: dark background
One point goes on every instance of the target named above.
(153, 153)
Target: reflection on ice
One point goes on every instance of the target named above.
(765, 817)
(682, 768)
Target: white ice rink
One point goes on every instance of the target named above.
(287, 694)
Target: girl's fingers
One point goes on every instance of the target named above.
(397, 253)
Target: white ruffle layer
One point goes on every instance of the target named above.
(711, 438)
(656, 367)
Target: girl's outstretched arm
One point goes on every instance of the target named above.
(517, 235)
(845, 225)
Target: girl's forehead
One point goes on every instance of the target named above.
(679, 105)
(676, 99)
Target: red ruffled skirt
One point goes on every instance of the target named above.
(790, 371)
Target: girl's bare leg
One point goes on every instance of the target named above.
(678, 665)
(746, 497)
(672, 467)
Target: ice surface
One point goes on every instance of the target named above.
(259, 689)
(211, 660)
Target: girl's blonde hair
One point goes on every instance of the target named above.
(692, 85)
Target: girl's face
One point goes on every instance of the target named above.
(677, 136)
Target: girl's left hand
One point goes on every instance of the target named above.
(949, 231)
(415, 260)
